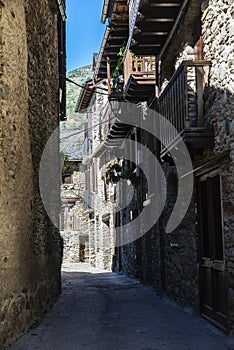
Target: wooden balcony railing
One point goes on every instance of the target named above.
(181, 102)
(139, 65)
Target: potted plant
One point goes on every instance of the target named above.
(113, 173)
(117, 79)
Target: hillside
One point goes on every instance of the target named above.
(80, 75)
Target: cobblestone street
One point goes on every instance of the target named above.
(100, 311)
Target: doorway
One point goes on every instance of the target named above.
(213, 304)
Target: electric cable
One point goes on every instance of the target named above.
(86, 129)
(84, 87)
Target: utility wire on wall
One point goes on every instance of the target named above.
(86, 129)
(83, 86)
(91, 127)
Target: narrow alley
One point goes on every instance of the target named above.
(116, 164)
(103, 310)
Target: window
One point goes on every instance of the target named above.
(210, 213)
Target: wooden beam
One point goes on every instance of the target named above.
(119, 17)
(146, 51)
(117, 37)
(120, 24)
(154, 33)
(121, 8)
(153, 20)
(149, 45)
(112, 46)
(108, 75)
(161, 12)
(165, 4)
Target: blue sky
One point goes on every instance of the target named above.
(84, 31)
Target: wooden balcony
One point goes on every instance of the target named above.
(150, 24)
(116, 34)
(181, 103)
(115, 11)
(139, 77)
(112, 130)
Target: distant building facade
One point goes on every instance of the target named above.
(73, 218)
(100, 226)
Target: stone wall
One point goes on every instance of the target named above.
(217, 29)
(30, 246)
(218, 35)
(180, 249)
(101, 225)
(180, 253)
(76, 247)
(140, 258)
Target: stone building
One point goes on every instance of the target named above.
(182, 68)
(32, 55)
(100, 225)
(73, 217)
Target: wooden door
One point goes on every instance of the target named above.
(211, 255)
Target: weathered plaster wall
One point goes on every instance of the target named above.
(30, 247)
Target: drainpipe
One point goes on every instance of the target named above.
(157, 78)
(105, 11)
(62, 9)
(109, 75)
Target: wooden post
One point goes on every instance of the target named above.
(199, 87)
(157, 77)
(108, 75)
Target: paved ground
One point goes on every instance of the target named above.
(103, 311)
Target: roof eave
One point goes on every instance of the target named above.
(88, 87)
(105, 11)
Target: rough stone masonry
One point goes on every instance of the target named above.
(30, 246)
